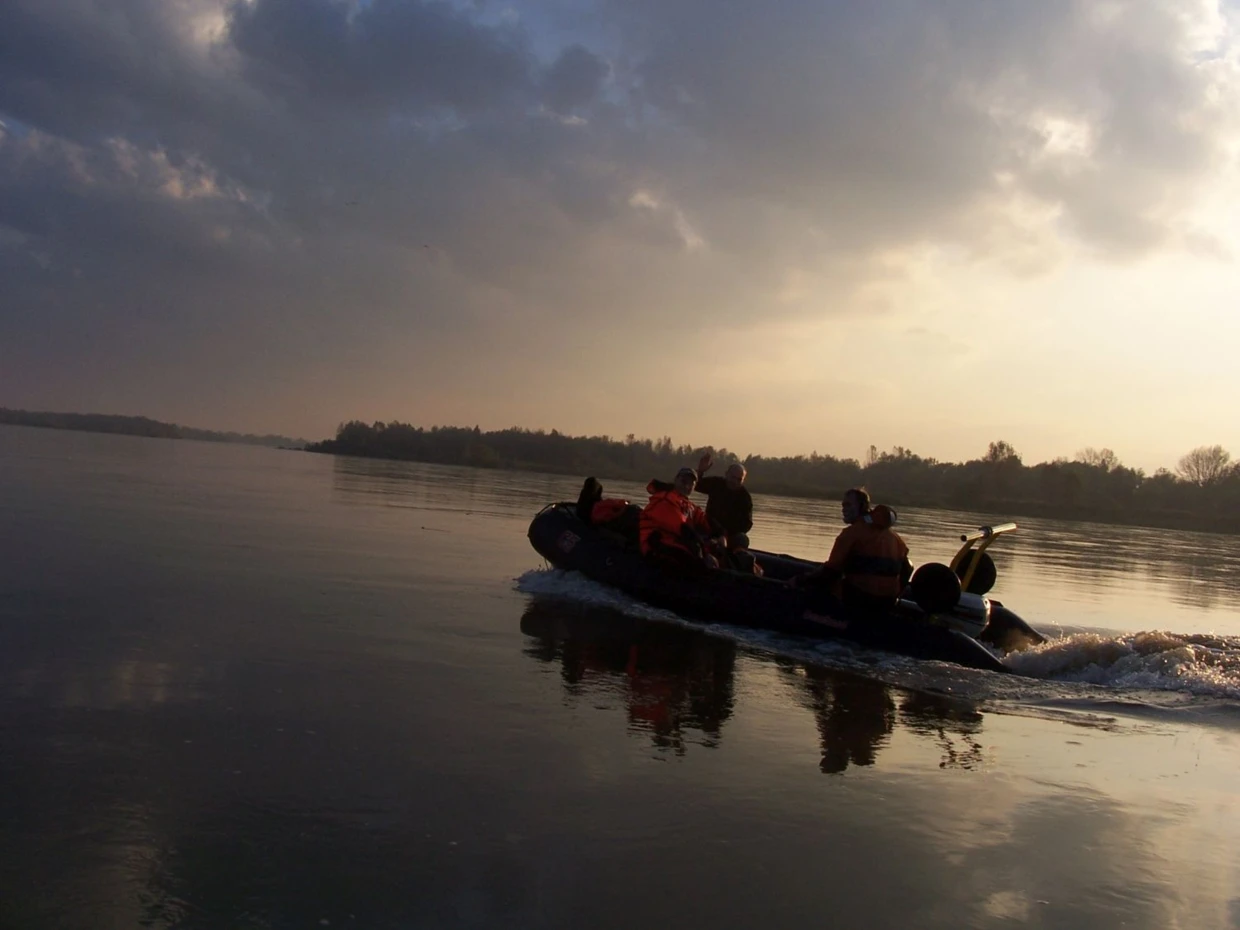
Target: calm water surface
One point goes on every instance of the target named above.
(242, 687)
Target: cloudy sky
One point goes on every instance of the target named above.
(777, 227)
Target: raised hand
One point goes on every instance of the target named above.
(704, 463)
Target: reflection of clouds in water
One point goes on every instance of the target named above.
(949, 855)
(1071, 861)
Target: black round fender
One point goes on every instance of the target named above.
(984, 577)
(935, 588)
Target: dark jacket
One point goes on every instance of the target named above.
(731, 510)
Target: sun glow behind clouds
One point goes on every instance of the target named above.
(1064, 138)
(207, 26)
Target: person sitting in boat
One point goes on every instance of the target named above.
(673, 529)
(612, 513)
(869, 565)
(728, 504)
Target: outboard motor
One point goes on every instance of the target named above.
(971, 616)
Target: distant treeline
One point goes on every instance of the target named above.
(1202, 493)
(135, 426)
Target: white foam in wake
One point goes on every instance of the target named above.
(1199, 664)
(554, 582)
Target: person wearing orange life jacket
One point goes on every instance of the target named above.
(673, 528)
(868, 566)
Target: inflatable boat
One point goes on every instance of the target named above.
(953, 622)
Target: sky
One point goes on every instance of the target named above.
(785, 227)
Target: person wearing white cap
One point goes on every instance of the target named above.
(673, 529)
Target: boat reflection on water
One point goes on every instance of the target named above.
(672, 680)
(677, 686)
(855, 715)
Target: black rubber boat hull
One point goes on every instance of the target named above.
(742, 599)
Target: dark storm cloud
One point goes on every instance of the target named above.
(575, 79)
(866, 123)
(352, 171)
(393, 52)
(82, 69)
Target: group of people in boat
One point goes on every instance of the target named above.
(675, 530)
(866, 571)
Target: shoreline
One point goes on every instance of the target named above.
(1222, 520)
(1007, 509)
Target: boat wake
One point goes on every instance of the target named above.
(1147, 669)
(1197, 663)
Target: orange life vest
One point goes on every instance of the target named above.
(870, 555)
(605, 511)
(665, 517)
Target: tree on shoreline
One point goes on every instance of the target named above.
(1205, 466)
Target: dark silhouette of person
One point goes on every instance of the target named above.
(855, 717)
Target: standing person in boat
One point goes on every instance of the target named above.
(728, 504)
(673, 529)
(868, 566)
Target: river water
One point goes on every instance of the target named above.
(244, 687)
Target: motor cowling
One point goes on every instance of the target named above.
(970, 616)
